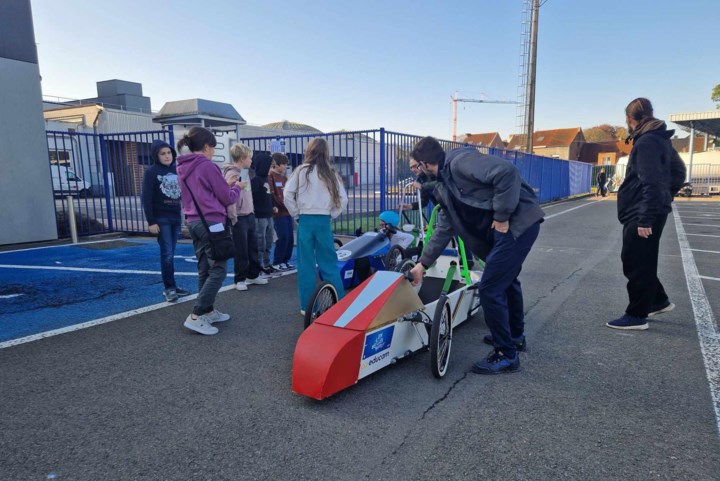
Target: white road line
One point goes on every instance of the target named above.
(91, 269)
(700, 217)
(710, 278)
(103, 320)
(704, 235)
(698, 212)
(703, 250)
(705, 225)
(63, 245)
(570, 210)
(10, 296)
(704, 319)
(114, 317)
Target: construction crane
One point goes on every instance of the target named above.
(456, 99)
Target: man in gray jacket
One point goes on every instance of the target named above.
(485, 202)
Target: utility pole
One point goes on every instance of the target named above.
(532, 69)
(455, 101)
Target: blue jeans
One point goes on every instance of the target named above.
(284, 244)
(167, 239)
(316, 246)
(500, 291)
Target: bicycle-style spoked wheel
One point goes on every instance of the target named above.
(323, 298)
(441, 338)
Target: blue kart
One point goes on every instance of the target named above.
(361, 257)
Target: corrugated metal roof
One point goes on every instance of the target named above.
(707, 122)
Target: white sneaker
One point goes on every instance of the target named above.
(278, 267)
(663, 310)
(302, 312)
(258, 280)
(241, 286)
(200, 325)
(217, 316)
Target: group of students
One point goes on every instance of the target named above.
(256, 210)
(483, 198)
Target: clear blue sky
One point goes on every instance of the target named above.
(338, 64)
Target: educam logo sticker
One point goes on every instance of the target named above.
(378, 341)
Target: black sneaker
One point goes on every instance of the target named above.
(520, 343)
(182, 292)
(497, 363)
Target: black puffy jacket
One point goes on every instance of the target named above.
(655, 172)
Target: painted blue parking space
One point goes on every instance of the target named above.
(56, 287)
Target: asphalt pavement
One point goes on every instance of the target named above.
(142, 398)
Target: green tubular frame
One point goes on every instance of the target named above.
(461, 248)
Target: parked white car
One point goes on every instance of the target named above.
(66, 182)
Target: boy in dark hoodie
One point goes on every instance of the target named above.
(161, 203)
(282, 221)
(262, 200)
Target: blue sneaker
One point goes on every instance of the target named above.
(497, 363)
(629, 322)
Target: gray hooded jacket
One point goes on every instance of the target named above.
(485, 186)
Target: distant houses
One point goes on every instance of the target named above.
(570, 144)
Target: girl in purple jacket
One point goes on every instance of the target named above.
(198, 174)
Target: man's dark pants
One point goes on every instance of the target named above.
(640, 261)
(500, 291)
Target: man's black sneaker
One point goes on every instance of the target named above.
(270, 271)
(497, 363)
(667, 307)
(520, 343)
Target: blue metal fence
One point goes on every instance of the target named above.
(372, 163)
(102, 174)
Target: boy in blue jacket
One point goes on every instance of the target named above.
(161, 203)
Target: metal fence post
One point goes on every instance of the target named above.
(171, 135)
(71, 219)
(382, 169)
(106, 180)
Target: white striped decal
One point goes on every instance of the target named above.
(378, 284)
